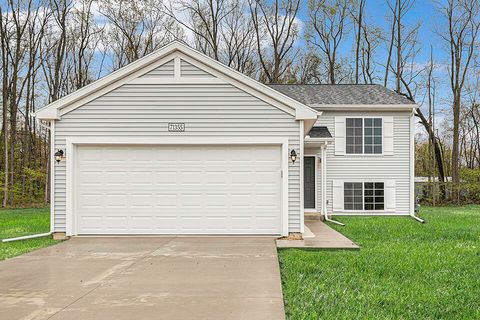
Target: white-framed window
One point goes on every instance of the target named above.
(364, 136)
(364, 196)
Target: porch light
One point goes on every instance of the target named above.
(58, 156)
(293, 155)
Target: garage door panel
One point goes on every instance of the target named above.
(178, 189)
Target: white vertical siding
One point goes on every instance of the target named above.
(364, 167)
(206, 109)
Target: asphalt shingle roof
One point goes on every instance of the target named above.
(341, 94)
(319, 132)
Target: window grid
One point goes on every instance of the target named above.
(372, 135)
(364, 196)
(354, 136)
(364, 136)
(374, 196)
(353, 195)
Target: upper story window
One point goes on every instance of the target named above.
(364, 136)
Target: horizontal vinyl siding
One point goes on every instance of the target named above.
(189, 70)
(207, 110)
(164, 71)
(359, 167)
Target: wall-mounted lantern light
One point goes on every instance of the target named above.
(293, 156)
(59, 156)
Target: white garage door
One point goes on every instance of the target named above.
(178, 190)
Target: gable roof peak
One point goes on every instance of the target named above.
(54, 110)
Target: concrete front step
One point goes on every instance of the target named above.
(313, 216)
(324, 237)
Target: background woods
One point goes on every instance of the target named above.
(50, 48)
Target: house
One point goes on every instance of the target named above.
(178, 143)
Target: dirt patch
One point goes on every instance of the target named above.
(292, 236)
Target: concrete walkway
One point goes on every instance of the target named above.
(145, 278)
(320, 237)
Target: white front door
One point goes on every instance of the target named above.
(178, 189)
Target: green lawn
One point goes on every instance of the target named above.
(404, 270)
(21, 222)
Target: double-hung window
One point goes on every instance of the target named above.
(364, 136)
(367, 196)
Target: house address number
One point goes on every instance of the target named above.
(176, 127)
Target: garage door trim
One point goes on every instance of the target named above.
(72, 143)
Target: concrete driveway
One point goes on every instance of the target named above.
(145, 278)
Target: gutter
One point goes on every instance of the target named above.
(32, 236)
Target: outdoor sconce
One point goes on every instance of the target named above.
(293, 155)
(58, 156)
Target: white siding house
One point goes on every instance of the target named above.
(392, 167)
(375, 175)
(177, 143)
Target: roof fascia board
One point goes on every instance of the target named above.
(367, 107)
(309, 123)
(308, 139)
(47, 114)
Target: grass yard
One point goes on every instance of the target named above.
(21, 222)
(404, 270)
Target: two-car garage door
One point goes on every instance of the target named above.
(181, 189)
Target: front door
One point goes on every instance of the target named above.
(309, 182)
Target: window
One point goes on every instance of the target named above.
(373, 196)
(366, 196)
(372, 135)
(354, 135)
(364, 136)
(353, 196)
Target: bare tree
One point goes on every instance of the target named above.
(463, 21)
(276, 30)
(308, 68)
(84, 38)
(137, 28)
(54, 72)
(14, 22)
(22, 25)
(205, 19)
(429, 123)
(408, 74)
(400, 36)
(392, 39)
(328, 20)
(358, 17)
(239, 41)
(369, 45)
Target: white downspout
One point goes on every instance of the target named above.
(39, 235)
(417, 218)
(412, 169)
(324, 186)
